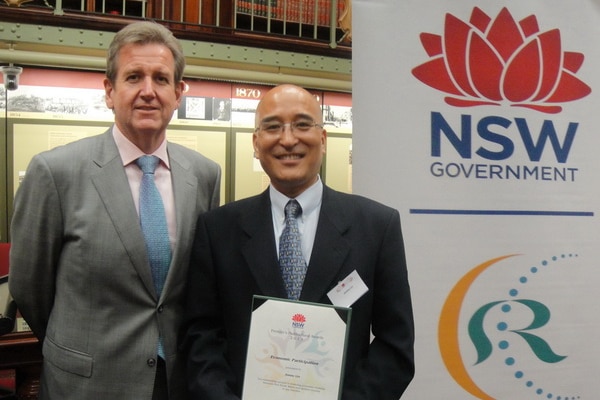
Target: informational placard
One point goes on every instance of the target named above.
(296, 350)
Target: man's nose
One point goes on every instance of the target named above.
(148, 86)
(287, 134)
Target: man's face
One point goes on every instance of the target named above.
(144, 94)
(292, 159)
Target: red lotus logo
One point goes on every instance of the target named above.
(501, 61)
(298, 318)
(298, 321)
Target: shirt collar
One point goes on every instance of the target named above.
(130, 152)
(309, 200)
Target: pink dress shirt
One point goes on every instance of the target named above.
(162, 176)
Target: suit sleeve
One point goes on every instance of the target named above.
(36, 240)
(216, 193)
(389, 365)
(209, 375)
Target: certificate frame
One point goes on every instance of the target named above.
(296, 350)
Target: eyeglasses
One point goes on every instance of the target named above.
(276, 128)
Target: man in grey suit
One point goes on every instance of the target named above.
(235, 256)
(80, 270)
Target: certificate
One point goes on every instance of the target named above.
(296, 350)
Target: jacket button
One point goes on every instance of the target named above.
(160, 309)
(151, 362)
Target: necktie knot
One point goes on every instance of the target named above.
(292, 209)
(147, 163)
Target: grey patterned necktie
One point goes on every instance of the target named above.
(291, 261)
(154, 227)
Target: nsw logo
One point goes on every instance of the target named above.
(501, 61)
(298, 320)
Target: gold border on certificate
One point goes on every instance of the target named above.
(296, 350)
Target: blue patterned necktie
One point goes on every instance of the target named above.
(154, 223)
(291, 261)
(154, 227)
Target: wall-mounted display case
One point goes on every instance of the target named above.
(53, 107)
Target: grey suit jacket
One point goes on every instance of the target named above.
(80, 273)
(234, 257)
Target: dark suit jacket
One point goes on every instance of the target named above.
(234, 257)
(80, 272)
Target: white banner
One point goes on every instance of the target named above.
(478, 121)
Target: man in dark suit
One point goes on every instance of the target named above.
(235, 256)
(80, 265)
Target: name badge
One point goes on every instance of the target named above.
(348, 290)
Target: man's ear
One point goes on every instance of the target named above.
(254, 138)
(180, 89)
(108, 90)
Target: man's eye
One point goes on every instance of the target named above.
(303, 125)
(273, 128)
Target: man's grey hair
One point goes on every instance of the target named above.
(144, 32)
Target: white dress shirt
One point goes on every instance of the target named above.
(310, 201)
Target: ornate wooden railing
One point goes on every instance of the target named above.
(306, 26)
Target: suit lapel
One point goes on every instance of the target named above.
(185, 192)
(114, 191)
(330, 248)
(328, 256)
(259, 250)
